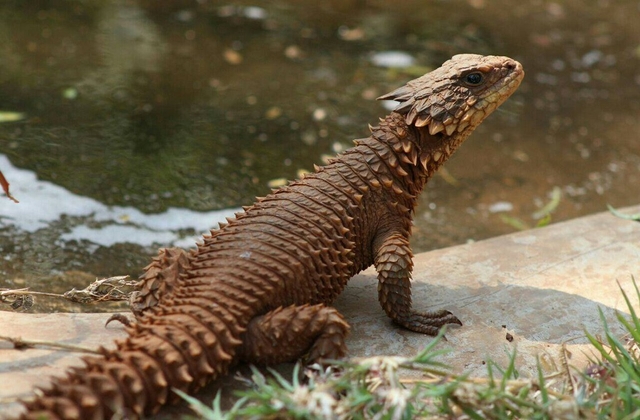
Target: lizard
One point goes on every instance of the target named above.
(258, 289)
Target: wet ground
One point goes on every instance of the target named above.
(126, 125)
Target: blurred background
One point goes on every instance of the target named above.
(126, 125)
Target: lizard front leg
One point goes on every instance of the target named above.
(393, 262)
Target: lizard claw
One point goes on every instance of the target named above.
(120, 318)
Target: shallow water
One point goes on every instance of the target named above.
(128, 125)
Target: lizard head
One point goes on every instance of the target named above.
(456, 97)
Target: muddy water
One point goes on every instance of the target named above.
(126, 125)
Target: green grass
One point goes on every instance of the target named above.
(615, 212)
(542, 216)
(375, 388)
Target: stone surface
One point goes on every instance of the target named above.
(542, 286)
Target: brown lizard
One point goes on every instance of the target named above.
(257, 289)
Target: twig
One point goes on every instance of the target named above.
(26, 291)
(565, 366)
(101, 290)
(21, 344)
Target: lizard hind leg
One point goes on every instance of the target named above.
(287, 334)
(159, 279)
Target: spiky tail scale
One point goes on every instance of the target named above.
(184, 348)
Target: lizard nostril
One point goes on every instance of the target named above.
(513, 66)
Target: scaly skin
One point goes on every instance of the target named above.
(256, 290)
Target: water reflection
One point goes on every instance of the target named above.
(149, 106)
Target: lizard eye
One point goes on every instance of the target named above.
(473, 79)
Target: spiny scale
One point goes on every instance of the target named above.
(257, 289)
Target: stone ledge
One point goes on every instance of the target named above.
(541, 286)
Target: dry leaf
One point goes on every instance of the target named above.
(5, 188)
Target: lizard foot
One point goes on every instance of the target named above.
(427, 322)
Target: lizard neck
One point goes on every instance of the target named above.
(414, 154)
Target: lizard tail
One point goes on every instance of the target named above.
(182, 346)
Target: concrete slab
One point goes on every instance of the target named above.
(21, 370)
(542, 286)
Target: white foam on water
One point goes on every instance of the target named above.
(43, 202)
(393, 59)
